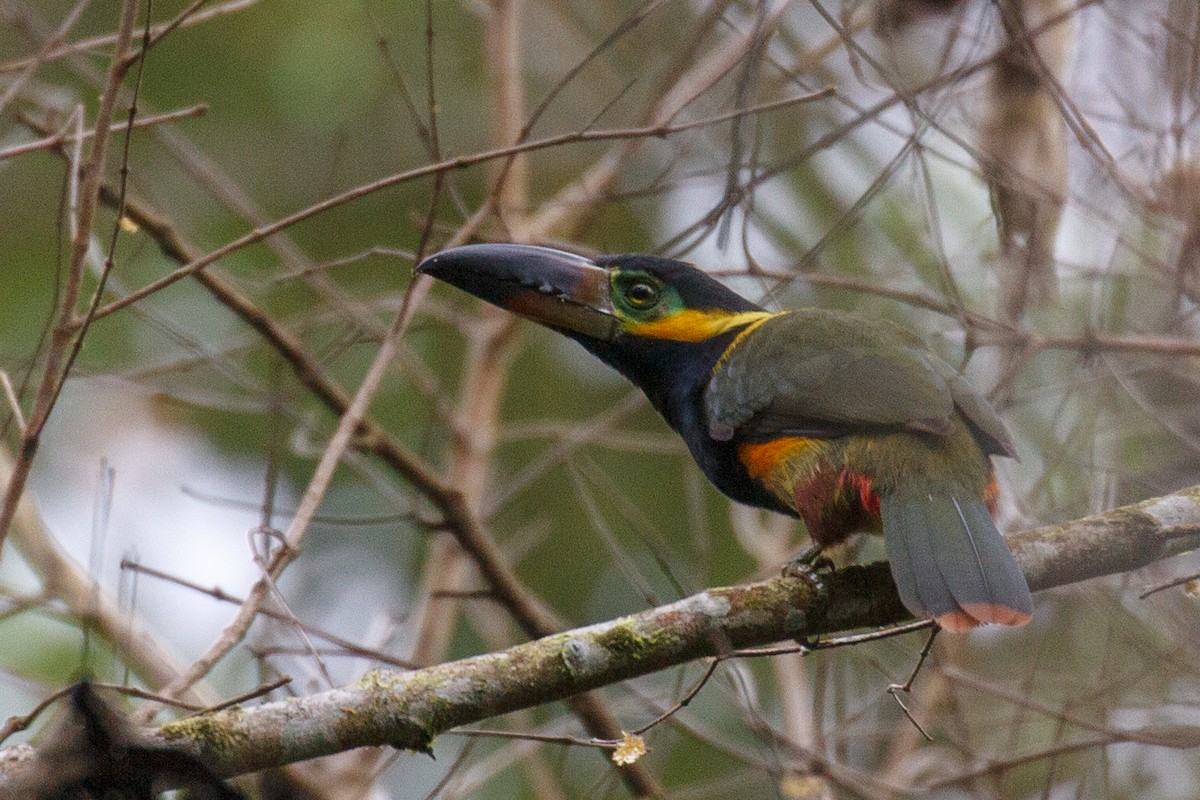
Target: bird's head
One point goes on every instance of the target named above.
(662, 324)
(610, 304)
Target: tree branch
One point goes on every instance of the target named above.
(408, 709)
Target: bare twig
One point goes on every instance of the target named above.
(10, 397)
(31, 66)
(547, 738)
(265, 231)
(62, 578)
(63, 339)
(258, 691)
(61, 51)
(1171, 584)
(688, 697)
(309, 503)
(344, 645)
(56, 140)
(896, 689)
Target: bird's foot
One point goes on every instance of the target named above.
(812, 559)
(812, 568)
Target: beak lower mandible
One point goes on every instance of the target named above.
(556, 288)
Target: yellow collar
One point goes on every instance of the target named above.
(691, 325)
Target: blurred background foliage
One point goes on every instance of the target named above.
(1011, 179)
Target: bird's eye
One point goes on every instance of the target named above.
(642, 294)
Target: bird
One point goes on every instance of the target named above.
(848, 422)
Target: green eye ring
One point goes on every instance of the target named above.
(642, 294)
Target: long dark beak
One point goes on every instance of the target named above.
(553, 287)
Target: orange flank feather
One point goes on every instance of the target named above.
(763, 458)
(832, 502)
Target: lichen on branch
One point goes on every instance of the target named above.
(409, 709)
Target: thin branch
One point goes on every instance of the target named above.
(546, 738)
(688, 697)
(10, 397)
(468, 528)
(63, 337)
(258, 691)
(92, 43)
(344, 645)
(896, 689)
(264, 231)
(67, 581)
(32, 64)
(408, 710)
(55, 140)
(314, 494)
(1092, 344)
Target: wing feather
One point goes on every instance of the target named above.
(785, 379)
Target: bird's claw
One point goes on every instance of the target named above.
(810, 560)
(812, 568)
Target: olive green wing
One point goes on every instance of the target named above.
(814, 372)
(985, 423)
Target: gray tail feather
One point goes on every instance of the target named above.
(950, 562)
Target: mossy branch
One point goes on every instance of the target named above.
(408, 709)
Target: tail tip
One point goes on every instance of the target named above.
(971, 615)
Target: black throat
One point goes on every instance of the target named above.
(674, 376)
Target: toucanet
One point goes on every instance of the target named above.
(849, 423)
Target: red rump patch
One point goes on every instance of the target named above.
(834, 505)
(862, 484)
